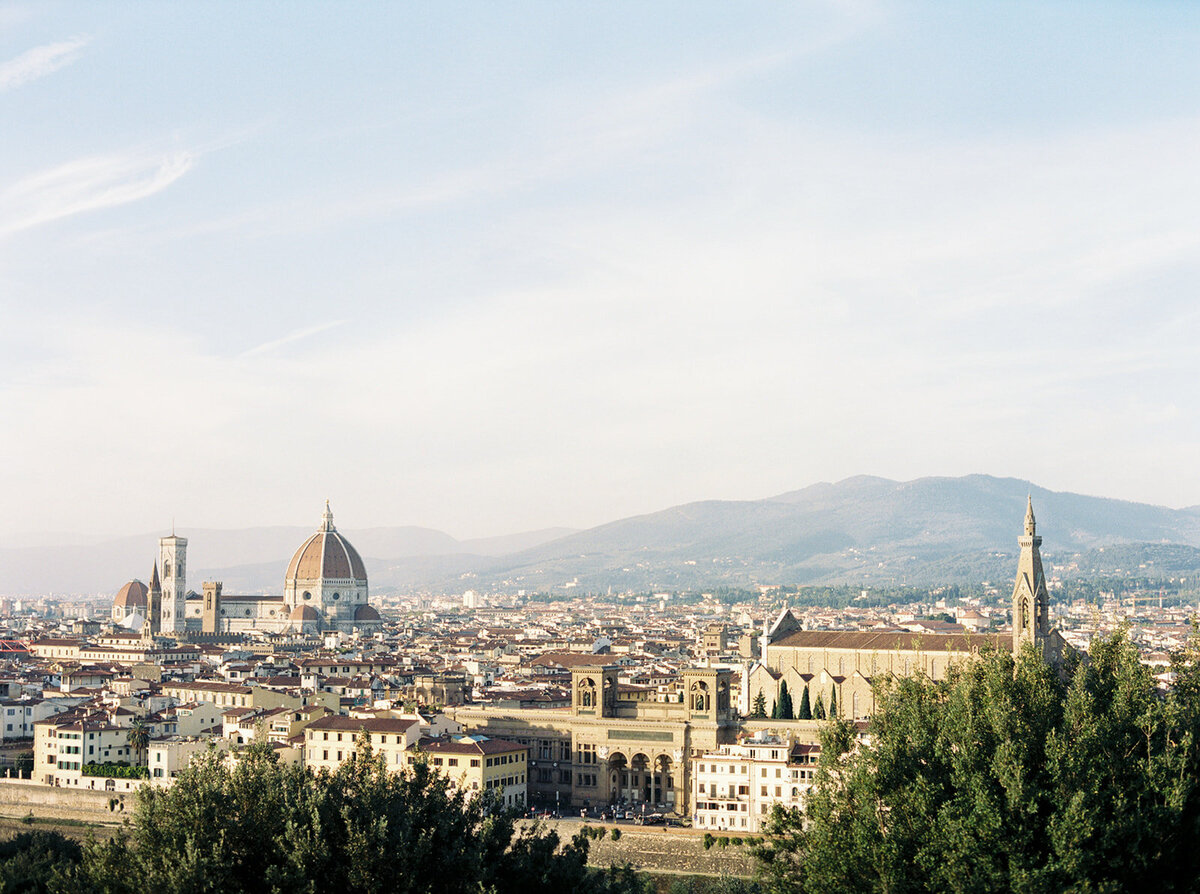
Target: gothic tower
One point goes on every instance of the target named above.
(172, 554)
(154, 603)
(1031, 602)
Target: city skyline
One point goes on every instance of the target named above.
(492, 270)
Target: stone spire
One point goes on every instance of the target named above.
(1030, 600)
(154, 603)
(327, 519)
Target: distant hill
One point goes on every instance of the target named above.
(863, 530)
(246, 560)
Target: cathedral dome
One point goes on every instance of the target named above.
(326, 555)
(304, 613)
(366, 613)
(131, 596)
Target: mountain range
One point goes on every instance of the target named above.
(863, 530)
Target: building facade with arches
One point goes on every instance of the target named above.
(606, 750)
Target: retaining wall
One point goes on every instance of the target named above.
(659, 849)
(19, 798)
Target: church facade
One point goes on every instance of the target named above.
(839, 666)
(325, 588)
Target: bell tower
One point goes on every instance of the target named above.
(172, 558)
(1030, 600)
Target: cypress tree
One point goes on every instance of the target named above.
(833, 702)
(805, 707)
(785, 702)
(774, 710)
(760, 705)
(819, 710)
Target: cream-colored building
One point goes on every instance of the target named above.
(168, 757)
(608, 750)
(736, 786)
(479, 764)
(330, 741)
(61, 749)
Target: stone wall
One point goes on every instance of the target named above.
(19, 798)
(658, 849)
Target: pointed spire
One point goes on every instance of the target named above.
(327, 519)
(1030, 523)
(155, 583)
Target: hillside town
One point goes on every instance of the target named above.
(652, 707)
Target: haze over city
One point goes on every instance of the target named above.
(543, 264)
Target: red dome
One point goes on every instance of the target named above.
(326, 555)
(132, 595)
(366, 613)
(304, 613)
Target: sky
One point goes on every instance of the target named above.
(493, 267)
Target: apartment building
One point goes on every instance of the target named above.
(736, 786)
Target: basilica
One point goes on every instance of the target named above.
(324, 589)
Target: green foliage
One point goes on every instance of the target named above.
(119, 770)
(1005, 778)
(805, 712)
(709, 840)
(819, 708)
(616, 835)
(24, 764)
(266, 827)
(785, 702)
(724, 884)
(138, 736)
(833, 702)
(31, 861)
(759, 709)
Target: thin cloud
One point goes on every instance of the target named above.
(40, 61)
(87, 184)
(297, 335)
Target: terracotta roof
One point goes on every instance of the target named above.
(886, 641)
(304, 613)
(132, 595)
(340, 723)
(326, 555)
(568, 659)
(487, 746)
(366, 613)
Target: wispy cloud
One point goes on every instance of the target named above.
(40, 61)
(87, 184)
(297, 335)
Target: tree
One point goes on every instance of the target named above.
(1005, 777)
(138, 738)
(760, 705)
(819, 708)
(32, 861)
(774, 710)
(805, 707)
(833, 702)
(263, 826)
(785, 702)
